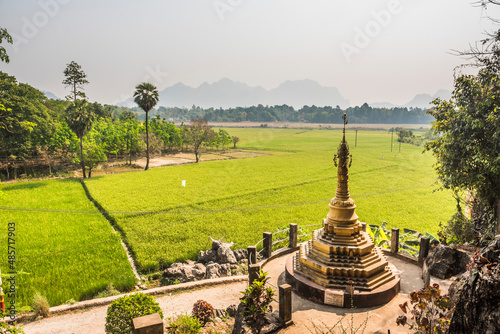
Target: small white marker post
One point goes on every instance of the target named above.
(183, 183)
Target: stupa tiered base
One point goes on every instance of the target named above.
(339, 297)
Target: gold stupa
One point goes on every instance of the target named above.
(341, 255)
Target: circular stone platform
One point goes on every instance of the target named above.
(340, 298)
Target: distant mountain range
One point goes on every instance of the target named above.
(226, 93)
(419, 101)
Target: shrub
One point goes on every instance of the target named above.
(428, 313)
(203, 311)
(121, 312)
(40, 305)
(184, 324)
(257, 299)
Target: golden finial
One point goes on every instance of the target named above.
(345, 123)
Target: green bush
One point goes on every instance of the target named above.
(121, 312)
(184, 324)
(40, 305)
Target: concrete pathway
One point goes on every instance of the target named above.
(306, 315)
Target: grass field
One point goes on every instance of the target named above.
(63, 255)
(239, 199)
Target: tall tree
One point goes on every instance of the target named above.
(75, 79)
(146, 97)
(4, 35)
(235, 140)
(80, 119)
(468, 144)
(199, 133)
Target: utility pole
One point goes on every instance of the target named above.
(392, 137)
(356, 140)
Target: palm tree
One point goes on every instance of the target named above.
(80, 119)
(146, 97)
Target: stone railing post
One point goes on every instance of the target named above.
(253, 273)
(394, 240)
(292, 236)
(148, 324)
(363, 226)
(267, 244)
(424, 249)
(252, 255)
(285, 301)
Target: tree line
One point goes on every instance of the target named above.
(364, 114)
(40, 136)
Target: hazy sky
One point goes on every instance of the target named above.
(371, 50)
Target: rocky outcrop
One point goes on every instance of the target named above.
(207, 256)
(185, 272)
(445, 261)
(475, 296)
(219, 261)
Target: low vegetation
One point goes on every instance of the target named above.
(40, 305)
(257, 299)
(203, 311)
(427, 311)
(184, 324)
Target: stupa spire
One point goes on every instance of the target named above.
(342, 206)
(343, 164)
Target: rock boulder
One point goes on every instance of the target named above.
(475, 296)
(225, 255)
(185, 272)
(213, 270)
(240, 254)
(445, 261)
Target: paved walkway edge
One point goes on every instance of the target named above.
(155, 291)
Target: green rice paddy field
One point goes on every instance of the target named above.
(61, 254)
(164, 222)
(240, 199)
